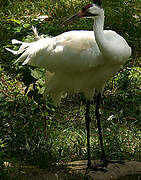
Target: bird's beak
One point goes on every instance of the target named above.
(77, 15)
(80, 14)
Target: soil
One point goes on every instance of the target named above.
(76, 170)
(115, 171)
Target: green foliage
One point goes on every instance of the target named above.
(35, 131)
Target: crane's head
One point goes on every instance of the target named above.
(88, 11)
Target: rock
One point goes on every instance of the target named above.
(112, 172)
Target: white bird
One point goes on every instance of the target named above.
(78, 61)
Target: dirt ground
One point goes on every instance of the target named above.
(129, 170)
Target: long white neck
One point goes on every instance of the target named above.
(99, 33)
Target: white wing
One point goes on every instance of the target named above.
(70, 51)
(73, 61)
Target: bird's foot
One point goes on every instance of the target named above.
(102, 166)
(96, 167)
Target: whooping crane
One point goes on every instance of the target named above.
(78, 61)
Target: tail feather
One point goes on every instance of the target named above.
(24, 57)
(26, 61)
(15, 41)
(21, 49)
(30, 52)
(37, 37)
(14, 52)
(24, 45)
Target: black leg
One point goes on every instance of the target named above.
(88, 120)
(105, 162)
(103, 158)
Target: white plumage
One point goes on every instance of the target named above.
(78, 61)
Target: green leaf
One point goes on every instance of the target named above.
(26, 25)
(37, 73)
(16, 21)
(17, 29)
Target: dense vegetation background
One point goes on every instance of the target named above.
(38, 133)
